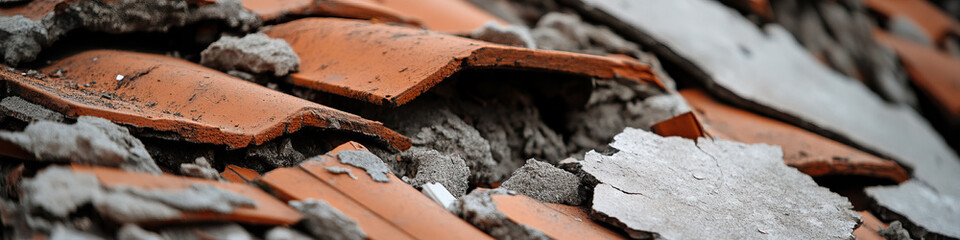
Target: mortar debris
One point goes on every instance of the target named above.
(198, 197)
(59, 191)
(430, 166)
(283, 233)
(340, 170)
(325, 221)
(512, 35)
(132, 231)
(371, 163)
(478, 209)
(205, 231)
(254, 53)
(545, 183)
(26, 111)
(201, 168)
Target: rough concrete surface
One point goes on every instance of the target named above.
(895, 232)
(340, 170)
(430, 166)
(134, 232)
(230, 231)
(767, 71)
(126, 208)
(91, 140)
(284, 233)
(545, 183)
(478, 209)
(512, 35)
(367, 161)
(24, 38)
(61, 232)
(674, 188)
(26, 111)
(199, 197)
(325, 221)
(255, 53)
(200, 168)
(920, 208)
(59, 191)
(906, 28)
(277, 153)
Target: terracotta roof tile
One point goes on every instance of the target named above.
(386, 64)
(34, 10)
(239, 174)
(555, 220)
(384, 210)
(268, 210)
(868, 229)
(936, 73)
(684, 125)
(169, 94)
(269, 10)
(810, 153)
(452, 16)
(933, 21)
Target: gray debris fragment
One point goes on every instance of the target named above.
(126, 208)
(198, 197)
(478, 209)
(569, 25)
(91, 140)
(513, 35)
(340, 170)
(325, 221)
(277, 153)
(200, 168)
(134, 232)
(895, 232)
(22, 37)
(718, 189)
(26, 111)
(230, 231)
(545, 183)
(61, 232)
(255, 52)
(553, 39)
(283, 233)
(367, 161)
(927, 213)
(906, 28)
(59, 191)
(429, 166)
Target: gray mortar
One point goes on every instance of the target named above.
(230, 231)
(545, 183)
(920, 208)
(201, 168)
(26, 111)
(276, 154)
(340, 170)
(478, 208)
(91, 140)
(895, 232)
(255, 53)
(674, 188)
(284, 233)
(325, 221)
(367, 161)
(569, 25)
(430, 166)
(123, 207)
(199, 197)
(23, 38)
(134, 232)
(61, 232)
(59, 191)
(906, 28)
(512, 35)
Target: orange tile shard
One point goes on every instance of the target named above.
(555, 220)
(810, 153)
(384, 210)
(936, 73)
(268, 210)
(239, 174)
(172, 95)
(392, 65)
(684, 125)
(270, 10)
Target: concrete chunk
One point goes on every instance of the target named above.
(674, 188)
(59, 191)
(323, 220)
(367, 161)
(920, 208)
(254, 52)
(545, 183)
(27, 111)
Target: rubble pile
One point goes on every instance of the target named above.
(479, 119)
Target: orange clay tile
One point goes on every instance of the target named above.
(868, 229)
(34, 10)
(238, 174)
(808, 152)
(451, 16)
(684, 125)
(391, 210)
(927, 16)
(392, 65)
(551, 220)
(270, 10)
(173, 95)
(13, 150)
(268, 210)
(937, 73)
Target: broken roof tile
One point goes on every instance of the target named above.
(173, 95)
(391, 209)
(555, 220)
(927, 16)
(935, 72)
(810, 153)
(238, 174)
(270, 10)
(33, 10)
(392, 65)
(684, 125)
(451, 16)
(868, 229)
(267, 210)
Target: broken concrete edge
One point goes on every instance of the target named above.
(256, 53)
(945, 203)
(322, 117)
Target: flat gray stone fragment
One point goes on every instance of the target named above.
(340, 170)
(427, 165)
(230, 231)
(325, 221)
(545, 183)
(367, 161)
(937, 214)
(126, 208)
(673, 188)
(255, 52)
(27, 111)
(59, 191)
(198, 197)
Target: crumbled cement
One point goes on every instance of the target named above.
(276, 154)
(199, 197)
(569, 25)
(478, 209)
(201, 168)
(59, 191)
(675, 188)
(134, 232)
(430, 166)
(254, 53)
(895, 232)
(91, 140)
(906, 28)
(512, 35)
(61, 232)
(553, 39)
(325, 221)
(545, 183)
(123, 207)
(24, 38)
(340, 170)
(26, 111)
(230, 231)
(921, 209)
(367, 161)
(283, 233)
